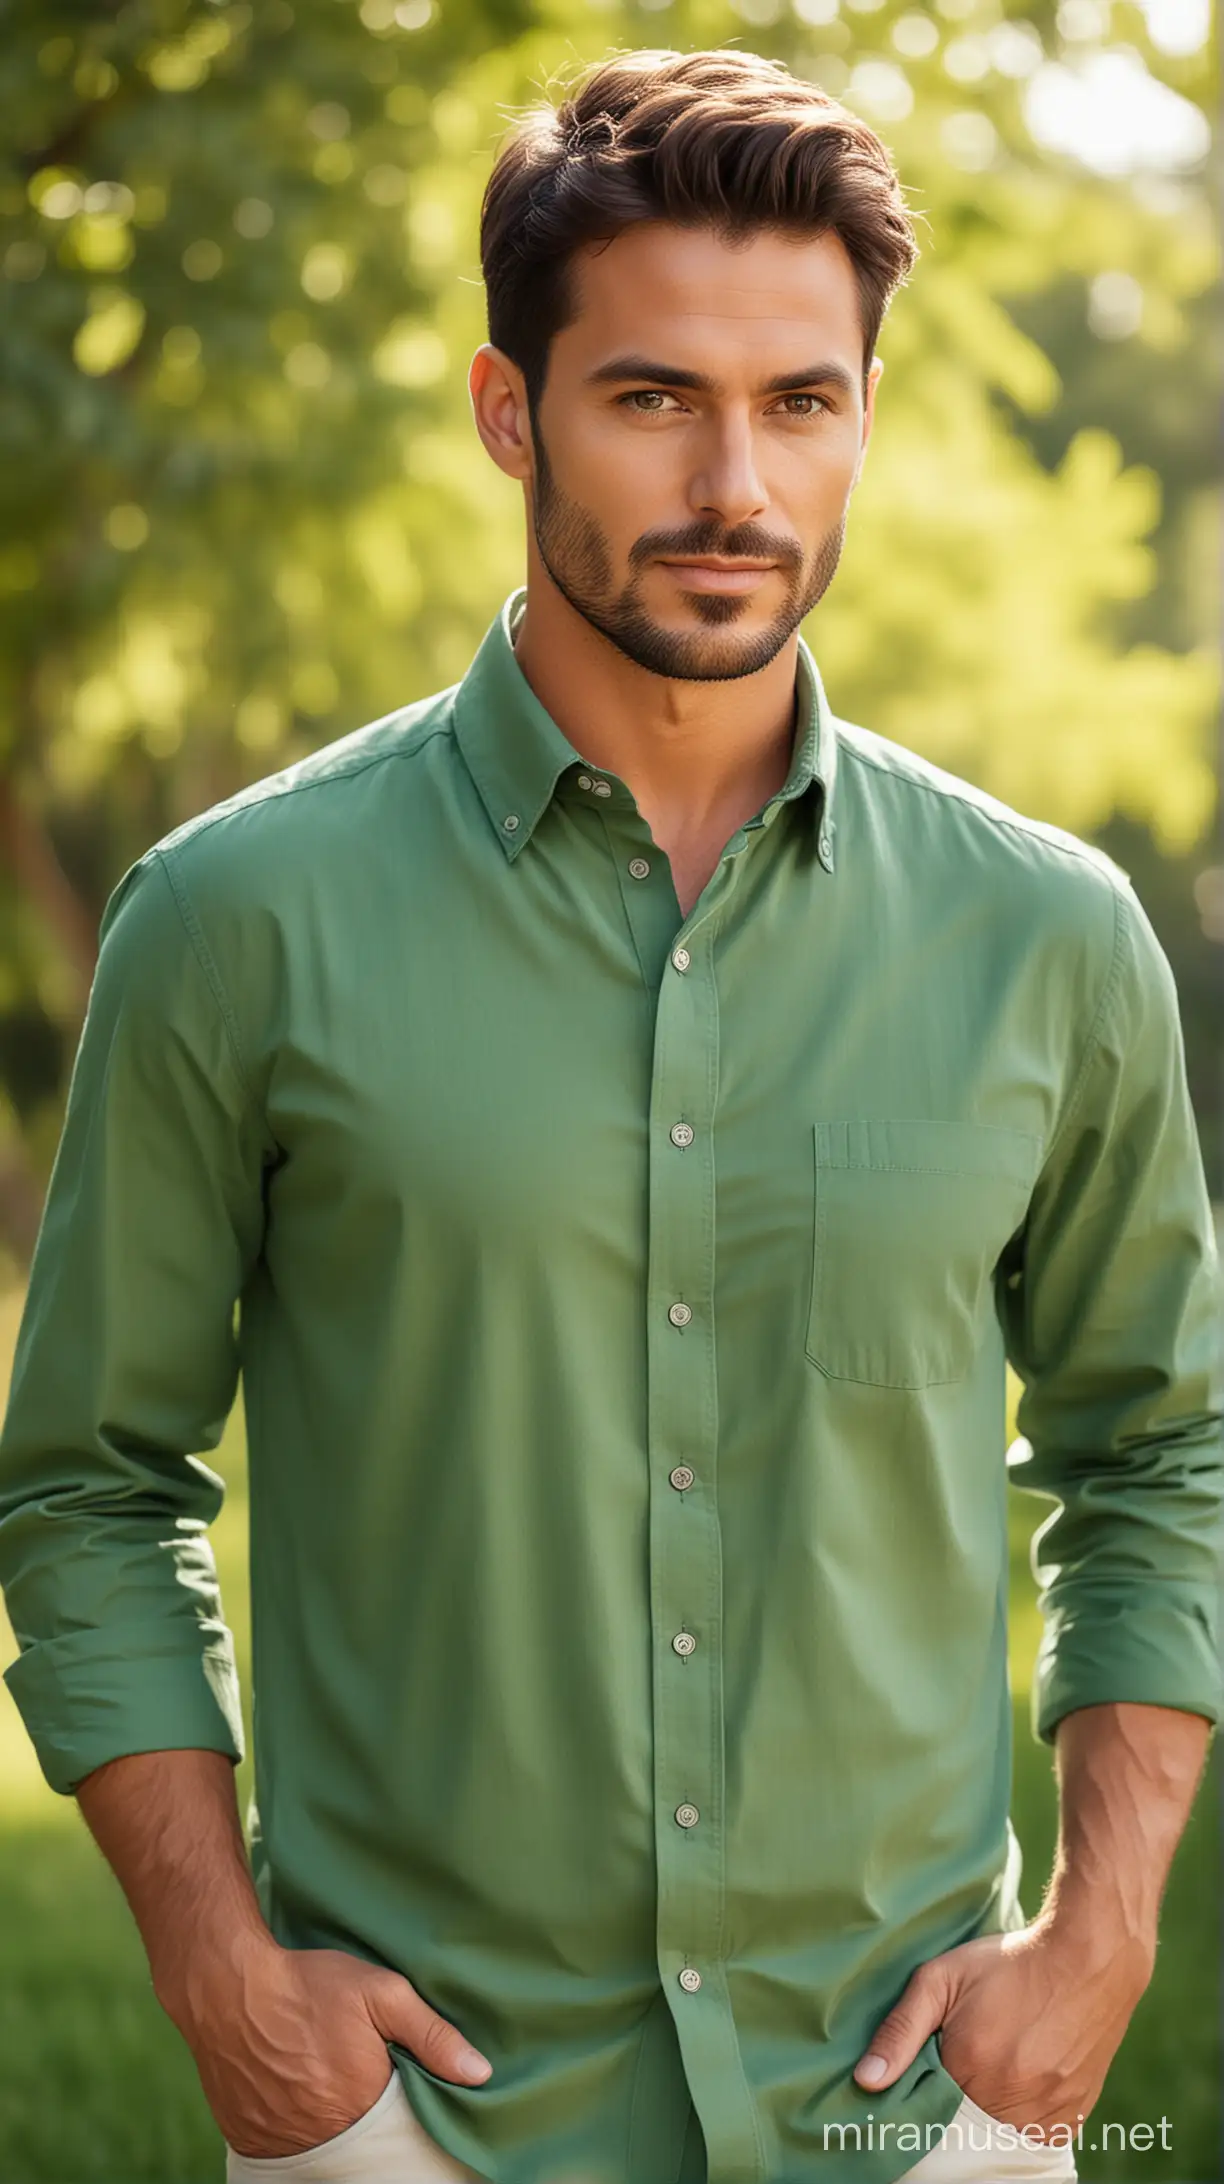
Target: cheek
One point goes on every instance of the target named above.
(808, 483)
(608, 455)
(627, 491)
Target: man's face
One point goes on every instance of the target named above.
(640, 475)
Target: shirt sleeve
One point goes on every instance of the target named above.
(127, 1361)
(1113, 1323)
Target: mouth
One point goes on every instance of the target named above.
(720, 576)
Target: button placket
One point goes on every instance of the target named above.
(685, 1543)
(647, 896)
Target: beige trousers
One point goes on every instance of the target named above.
(978, 2150)
(385, 2146)
(388, 2146)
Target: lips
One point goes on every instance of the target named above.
(721, 576)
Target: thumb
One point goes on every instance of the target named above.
(896, 2041)
(398, 2012)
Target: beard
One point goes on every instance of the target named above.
(576, 554)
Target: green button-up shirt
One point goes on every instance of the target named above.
(623, 1305)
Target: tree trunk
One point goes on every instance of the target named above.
(20, 1203)
(28, 860)
(28, 857)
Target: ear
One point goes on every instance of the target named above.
(499, 406)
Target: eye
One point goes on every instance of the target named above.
(651, 395)
(806, 398)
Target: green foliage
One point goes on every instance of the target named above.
(243, 509)
(228, 238)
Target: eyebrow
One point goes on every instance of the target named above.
(621, 368)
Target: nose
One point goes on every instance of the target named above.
(726, 482)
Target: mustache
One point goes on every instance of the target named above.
(747, 542)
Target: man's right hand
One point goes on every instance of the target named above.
(290, 2044)
(291, 2047)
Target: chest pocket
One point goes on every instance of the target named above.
(910, 1219)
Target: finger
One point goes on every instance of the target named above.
(400, 2014)
(898, 2038)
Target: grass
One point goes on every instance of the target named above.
(97, 2088)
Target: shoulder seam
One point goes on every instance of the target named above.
(1028, 830)
(192, 827)
(207, 963)
(1104, 1003)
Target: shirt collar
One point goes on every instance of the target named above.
(516, 753)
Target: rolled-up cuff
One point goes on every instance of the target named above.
(95, 1695)
(1122, 1643)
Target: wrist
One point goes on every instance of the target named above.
(1100, 1936)
(204, 1981)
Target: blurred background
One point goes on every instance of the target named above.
(243, 510)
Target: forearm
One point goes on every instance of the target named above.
(1127, 1779)
(167, 1823)
(290, 2044)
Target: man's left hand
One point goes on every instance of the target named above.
(1031, 2021)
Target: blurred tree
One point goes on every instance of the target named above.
(223, 240)
(242, 508)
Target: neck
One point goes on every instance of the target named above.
(698, 757)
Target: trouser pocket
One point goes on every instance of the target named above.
(978, 2148)
(385, 2146)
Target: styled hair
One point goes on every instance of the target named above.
(721, 139)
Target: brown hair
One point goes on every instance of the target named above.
(721, 139)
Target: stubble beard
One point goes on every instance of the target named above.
(574, 551)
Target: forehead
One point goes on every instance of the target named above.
(687, 294)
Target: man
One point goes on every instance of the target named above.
(636, 1113)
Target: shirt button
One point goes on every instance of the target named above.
(690, 1980)
(638, 868)
(681, 1477)
(510, 822)
(681, 958)
(682, 1133)
(679, 1314)
(585, 781)
(687, 1815)
(684, 1642)
(602, 788)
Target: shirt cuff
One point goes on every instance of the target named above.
(94, 1695)
(1121, 1643)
